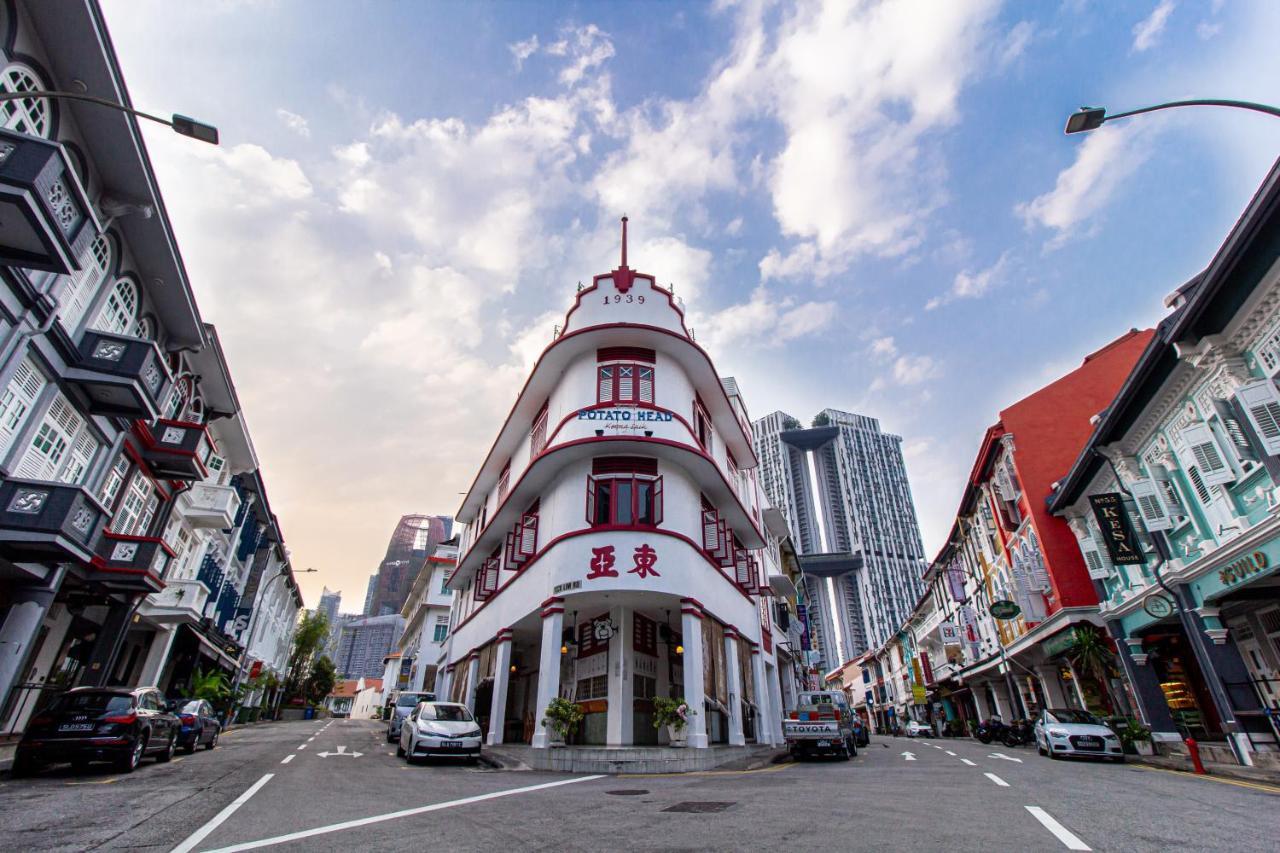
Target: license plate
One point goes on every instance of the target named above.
(76, 727)
(451, 743)
(1089, 741)
(824, 743)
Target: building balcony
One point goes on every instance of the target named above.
(48, 522)
(179, 601)
(120, 375)
(131, 562)
(207, 505)
(174, 449)
(46, 220)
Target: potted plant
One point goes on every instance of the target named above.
(674, 714)
(562, 717)
(1135, 738)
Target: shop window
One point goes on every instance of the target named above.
(596, 687)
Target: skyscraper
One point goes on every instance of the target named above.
(329, 604)
(843, 487)
(364, 642)
(413, 539)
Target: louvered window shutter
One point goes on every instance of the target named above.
(646, 384)
(626, 383)
(528, 543)
(591, 499)
(742, 567)
(84, 284)
(1151, 505)
(604, 385)
(710, 530)
(55, 436)
(83, 449)
(18, 400)
(1261, 403)
(657, 501)
(509, 549)
(1093, 560)
(1204, 449)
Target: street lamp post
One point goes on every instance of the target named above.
(1092, 118)
(182, 125)
(248, 633)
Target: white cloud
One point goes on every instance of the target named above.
(1015, 43)
(1147, 32)
(971, 284)
(763, 322)
(294, 122)
(884, 347)
(589, 47)
(522, 50)
(1206, 30)
(1107, 156)
(906, 371)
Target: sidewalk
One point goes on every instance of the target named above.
(1216, 768)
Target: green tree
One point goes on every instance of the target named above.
(308, 641)
(1090, 655)
(821, 419)
(320, 681)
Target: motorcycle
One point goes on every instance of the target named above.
(991, 729)
(1017, 733)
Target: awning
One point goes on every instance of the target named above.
(214, 650)
(782, 586)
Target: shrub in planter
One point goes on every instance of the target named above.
(671, 712)
(562, 717)
(1134, 737)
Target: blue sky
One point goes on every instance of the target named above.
(869, 206)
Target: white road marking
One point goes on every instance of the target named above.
(287, 760)
(200, 834)
(994, 778)
(1066, 836)
(952, 754)
(303, 746)
(365, 821)
(342, 750)
(967, 761)
(910, 756)
(1005, 757)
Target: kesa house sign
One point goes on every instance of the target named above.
(624, 419)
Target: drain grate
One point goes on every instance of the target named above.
(699, 807)
(628, 792)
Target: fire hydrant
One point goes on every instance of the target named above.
(1194, 749)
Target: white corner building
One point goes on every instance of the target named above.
(613, 541)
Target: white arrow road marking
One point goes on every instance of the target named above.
(994, 778)
(967, 761)
(342, 750)
(214, 822)
(1005, 757)
(910, 756)
(365, 821)
(1063, 834)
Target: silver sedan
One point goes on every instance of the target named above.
(442, 729)
(1066, 731)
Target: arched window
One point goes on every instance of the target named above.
(25, 115)
(144, 330)
(120, 312)
(84, 283)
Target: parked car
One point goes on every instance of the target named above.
(822, 723)
(1068, 732)
(87, 724)
(199, 725)
(440, 729)
(915, 728)
(400, 708)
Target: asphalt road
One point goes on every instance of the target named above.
(284, 787)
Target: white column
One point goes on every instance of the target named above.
(1001, 697)
(1075, 683)
(764, 719)
(735, 687)
(157, 656)
(473, 679)
(548, 668)
(21, 627)
(1048, 676)
(694, 695)
(621, 719)
(501, 675)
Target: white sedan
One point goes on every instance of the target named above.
(439, 728)
(915, 728)
(1066, 731)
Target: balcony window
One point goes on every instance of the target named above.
(85, 283)
(18, 400)
(63, 447)
(119, 314)
(623, 383)
(138, 507)
(624, 491)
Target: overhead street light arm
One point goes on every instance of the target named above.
(1091, 118)
(182, 125)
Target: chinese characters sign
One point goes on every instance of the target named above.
(645, 558)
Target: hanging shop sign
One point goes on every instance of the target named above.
(950, 633)
(1157, 606)
(1117, 529)
(1005, 610)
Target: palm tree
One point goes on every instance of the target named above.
(1090, 654)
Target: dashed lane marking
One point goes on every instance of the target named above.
(967, 761)
(365, 821)
(214, 822)
(952, 754)
(303, 746)
(1066, 836)
(287, 759)
(994, 778)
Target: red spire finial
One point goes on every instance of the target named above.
(624, 241)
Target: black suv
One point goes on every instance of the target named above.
(99, 724)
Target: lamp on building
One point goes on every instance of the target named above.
(679, 649)
(182, 125)
(1092, 118)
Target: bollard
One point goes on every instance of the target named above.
(1194, 749)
